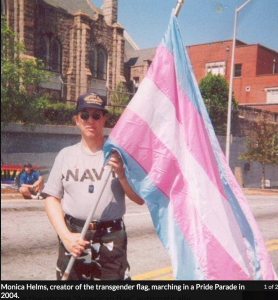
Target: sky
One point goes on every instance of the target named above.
(200, 21)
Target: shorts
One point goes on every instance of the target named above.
(32, 191)
(105, 258)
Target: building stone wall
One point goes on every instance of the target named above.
(110, 11)
(249, 88)
(41, 144)
(265, 61)
(76, 32)
(38, 145)
(256, 88)
(257, 66)
(208, 53)
(138, 72)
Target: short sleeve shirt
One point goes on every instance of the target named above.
(76, 178)
(26, 178)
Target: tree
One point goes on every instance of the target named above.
(215, 92)
(120, 96)
(20, 81)
(119, 100)
(262, 144)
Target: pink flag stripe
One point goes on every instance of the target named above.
(161, 161)
(266, 264)
(193, 125)
(213, 208)
(162, 72)
(162, 81)
(200, 214)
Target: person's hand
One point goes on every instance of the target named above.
(116, 163)
(74, 244)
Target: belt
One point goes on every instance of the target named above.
(95, 225)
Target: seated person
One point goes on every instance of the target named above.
(30, 183)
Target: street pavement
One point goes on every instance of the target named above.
(29, 244)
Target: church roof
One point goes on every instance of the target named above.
(137, 57)
(130, 41)
(72, 6)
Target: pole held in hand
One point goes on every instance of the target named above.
(107, 173)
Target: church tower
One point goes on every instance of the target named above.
(110, 11)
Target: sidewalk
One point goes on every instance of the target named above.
(10, 194)
(265, 192)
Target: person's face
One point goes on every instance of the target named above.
(90, 122)
(27, 170)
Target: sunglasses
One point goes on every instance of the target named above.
(85, 116)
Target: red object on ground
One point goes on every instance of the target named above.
(9, 172)
(16, 167)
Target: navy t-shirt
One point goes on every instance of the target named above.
(26, 178)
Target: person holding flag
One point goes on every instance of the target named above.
(174, 162)
(71, 191)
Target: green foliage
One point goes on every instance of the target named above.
(119, 100)
(262, 144)
(120, 95)
(113, 116)
(20, 82)
(58, 113)
(215, 92)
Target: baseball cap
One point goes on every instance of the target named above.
(27, 165)
(90, 100)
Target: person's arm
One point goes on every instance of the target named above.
(26, 185)
(116, 162)
(22, 180)
(38, 182)
(72, 241)
(55, 191)
(130, 192)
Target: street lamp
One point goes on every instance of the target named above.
(228, 137)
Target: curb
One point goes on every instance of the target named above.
(12, 196)
(5, 197)
(17, 196)
(260, 192)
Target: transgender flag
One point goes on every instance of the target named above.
(174, 162)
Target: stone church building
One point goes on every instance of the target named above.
(86, 49)
(82, 46)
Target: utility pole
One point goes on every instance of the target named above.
(229, 118)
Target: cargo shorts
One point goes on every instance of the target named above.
(105, 258)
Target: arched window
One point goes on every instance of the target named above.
(93, 62)
(98, 63)
(43, 51)
(49, 51)
(55, 55)
(101, 64)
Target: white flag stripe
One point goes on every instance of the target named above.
(201, 187)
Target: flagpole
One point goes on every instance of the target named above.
(229, 117)
(178, 7)
(106, 176)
